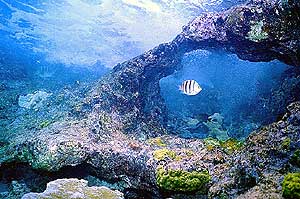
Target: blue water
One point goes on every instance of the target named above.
(232, 87)
(83, 32)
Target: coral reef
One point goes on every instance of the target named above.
(74, 188)
(17, 190)
(234, 168)
(109, 128)
(262, 162)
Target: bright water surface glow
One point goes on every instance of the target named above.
(82, 32)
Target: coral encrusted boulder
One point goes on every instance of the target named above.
(74, 188)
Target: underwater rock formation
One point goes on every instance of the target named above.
(14, 190)
(286, 92)
(111, 127)
(34, 101)
(260, 30)
(74, 188)
(168, 164)
(131, 90)
(267, 155)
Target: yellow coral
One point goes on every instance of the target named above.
(157, 142)
(231, 145)
(161, 154)
(180, 180)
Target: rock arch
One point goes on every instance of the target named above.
(257, 31)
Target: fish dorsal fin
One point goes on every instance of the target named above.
(180, 87)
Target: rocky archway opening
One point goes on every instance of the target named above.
(237, 98)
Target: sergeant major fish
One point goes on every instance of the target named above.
(190, 87)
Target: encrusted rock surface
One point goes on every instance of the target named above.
(266, 157)
(74, 188)
(260, 30)
(112, 129)
(255, 168)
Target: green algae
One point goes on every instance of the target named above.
(229, 146)
(291, 186)
(286, 143)
(180, 180)
(295, 159)
(157, 142)
(45, 123)
(211, 143)
(161, 154)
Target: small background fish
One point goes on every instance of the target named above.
(190, 87)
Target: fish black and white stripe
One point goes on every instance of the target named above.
(190, 87)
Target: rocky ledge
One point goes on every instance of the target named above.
(172, 166)
(120, 127)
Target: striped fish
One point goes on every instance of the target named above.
(190, 87)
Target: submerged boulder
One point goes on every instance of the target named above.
(74, 188)
(33, 101)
